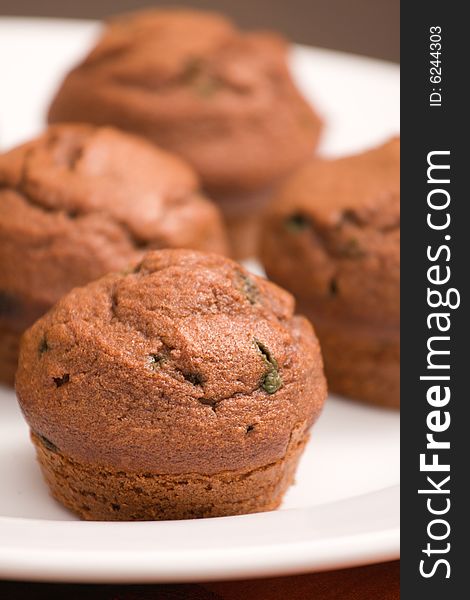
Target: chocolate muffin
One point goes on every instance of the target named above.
(80, 201)
(184, 388)
(193, 83)
(333, 239)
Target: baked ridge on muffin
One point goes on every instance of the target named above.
(80, 201)
(192, 82)
(332, 238)
(184, 388)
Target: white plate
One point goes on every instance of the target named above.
(344, 508)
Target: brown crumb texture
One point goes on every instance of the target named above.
(333, 235)
(195, 84)
(332, 238)
(81, 201)
(360, 362)
(183, 388)
(109, 495)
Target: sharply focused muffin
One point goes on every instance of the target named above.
(333, 239)
(193, 83)
(184, 388)
(80, 201)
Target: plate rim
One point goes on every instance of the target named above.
(164, 565)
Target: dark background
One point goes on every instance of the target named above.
(369, 27)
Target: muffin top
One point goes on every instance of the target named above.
(80, 201)
(186, 364)
(333, 235)
(193, 83)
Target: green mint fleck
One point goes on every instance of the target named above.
(296, 223)
(249, 288)
(352, 249)
(155, 361)
(47, 443)
(43, 346)
(206, 86)
(199, 79)
(272, 380)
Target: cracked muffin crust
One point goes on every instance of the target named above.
(192, 82)
(332, 238)
(185, 388)
(80, 201)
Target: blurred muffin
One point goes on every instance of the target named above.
(184, 388)
(193, 83)
(333, 239)
(80, 201)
